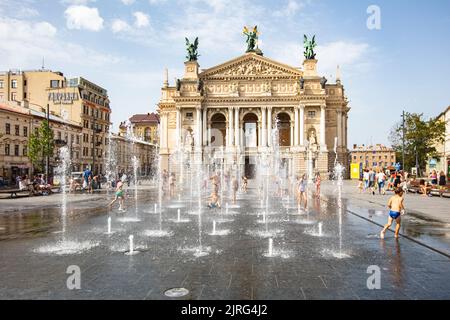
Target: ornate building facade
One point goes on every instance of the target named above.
(251, 105)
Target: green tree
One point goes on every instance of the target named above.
(421, 136)
(41, 145)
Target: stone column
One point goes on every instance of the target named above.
(198, 139)
(263, 127)
(296, 123)
(302, 125)
(292, 125)
(323, 144)
(269, 126)
(166, 131)
(205, 130)
(236, 126)
(230, 127)
(178, 138)
(161, 131)
(339, 127)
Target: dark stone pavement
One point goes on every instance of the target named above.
(304, 265)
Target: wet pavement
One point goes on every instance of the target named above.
(37, 247)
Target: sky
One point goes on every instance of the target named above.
(397, 60)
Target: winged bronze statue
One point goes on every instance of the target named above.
(192, 50)
(309, 45)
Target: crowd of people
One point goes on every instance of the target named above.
(36, 185)
(379, 181)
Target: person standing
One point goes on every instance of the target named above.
(318, 182)
(434, 178)
(366, 179)
(86, 174)
(302, 196)
(381, 178)
(372, 181)
(234, 187)
(442, 183)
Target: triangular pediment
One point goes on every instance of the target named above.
(250, 65)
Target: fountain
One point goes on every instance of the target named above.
(270, 254)
(64, 246)
(109, 225)
(131, 250)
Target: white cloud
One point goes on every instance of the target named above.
(127, 2)
(142, 20)
(352, 57)
(119, 25)
(23, 44)
(290, 9)
(82, 17)
(155, 2)
(77, 2)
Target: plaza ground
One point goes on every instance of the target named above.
(38, 244)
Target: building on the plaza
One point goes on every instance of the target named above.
(441, 162)
(235, 106)
(125, 149)
(371, 157)
(75, 100)
(143, 126)
(17, 123)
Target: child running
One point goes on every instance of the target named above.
(396, 207)
(119, 196)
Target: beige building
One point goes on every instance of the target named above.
(17, 123)
(375, 157)
(235, 106)
(122, 152)
(76, 100)
(442, 161)
(143, 127)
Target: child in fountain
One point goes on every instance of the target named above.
(214, 201)
(244, 184)
(302, 191)
(396, 207)
(119, 196)
(234, 188)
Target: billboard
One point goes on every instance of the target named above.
(354, 170)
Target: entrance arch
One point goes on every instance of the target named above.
(251, 130)
(218, 130)
(284, 129)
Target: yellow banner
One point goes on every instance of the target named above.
(354, 169)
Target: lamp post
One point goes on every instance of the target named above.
(47, 160)
(403, 140)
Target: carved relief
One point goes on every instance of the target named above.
(172, 120)
(251, 68)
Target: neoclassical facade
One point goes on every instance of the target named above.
(252, 105)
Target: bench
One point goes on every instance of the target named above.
(438, 191)
(13, 192)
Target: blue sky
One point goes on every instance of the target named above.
(124, 46)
